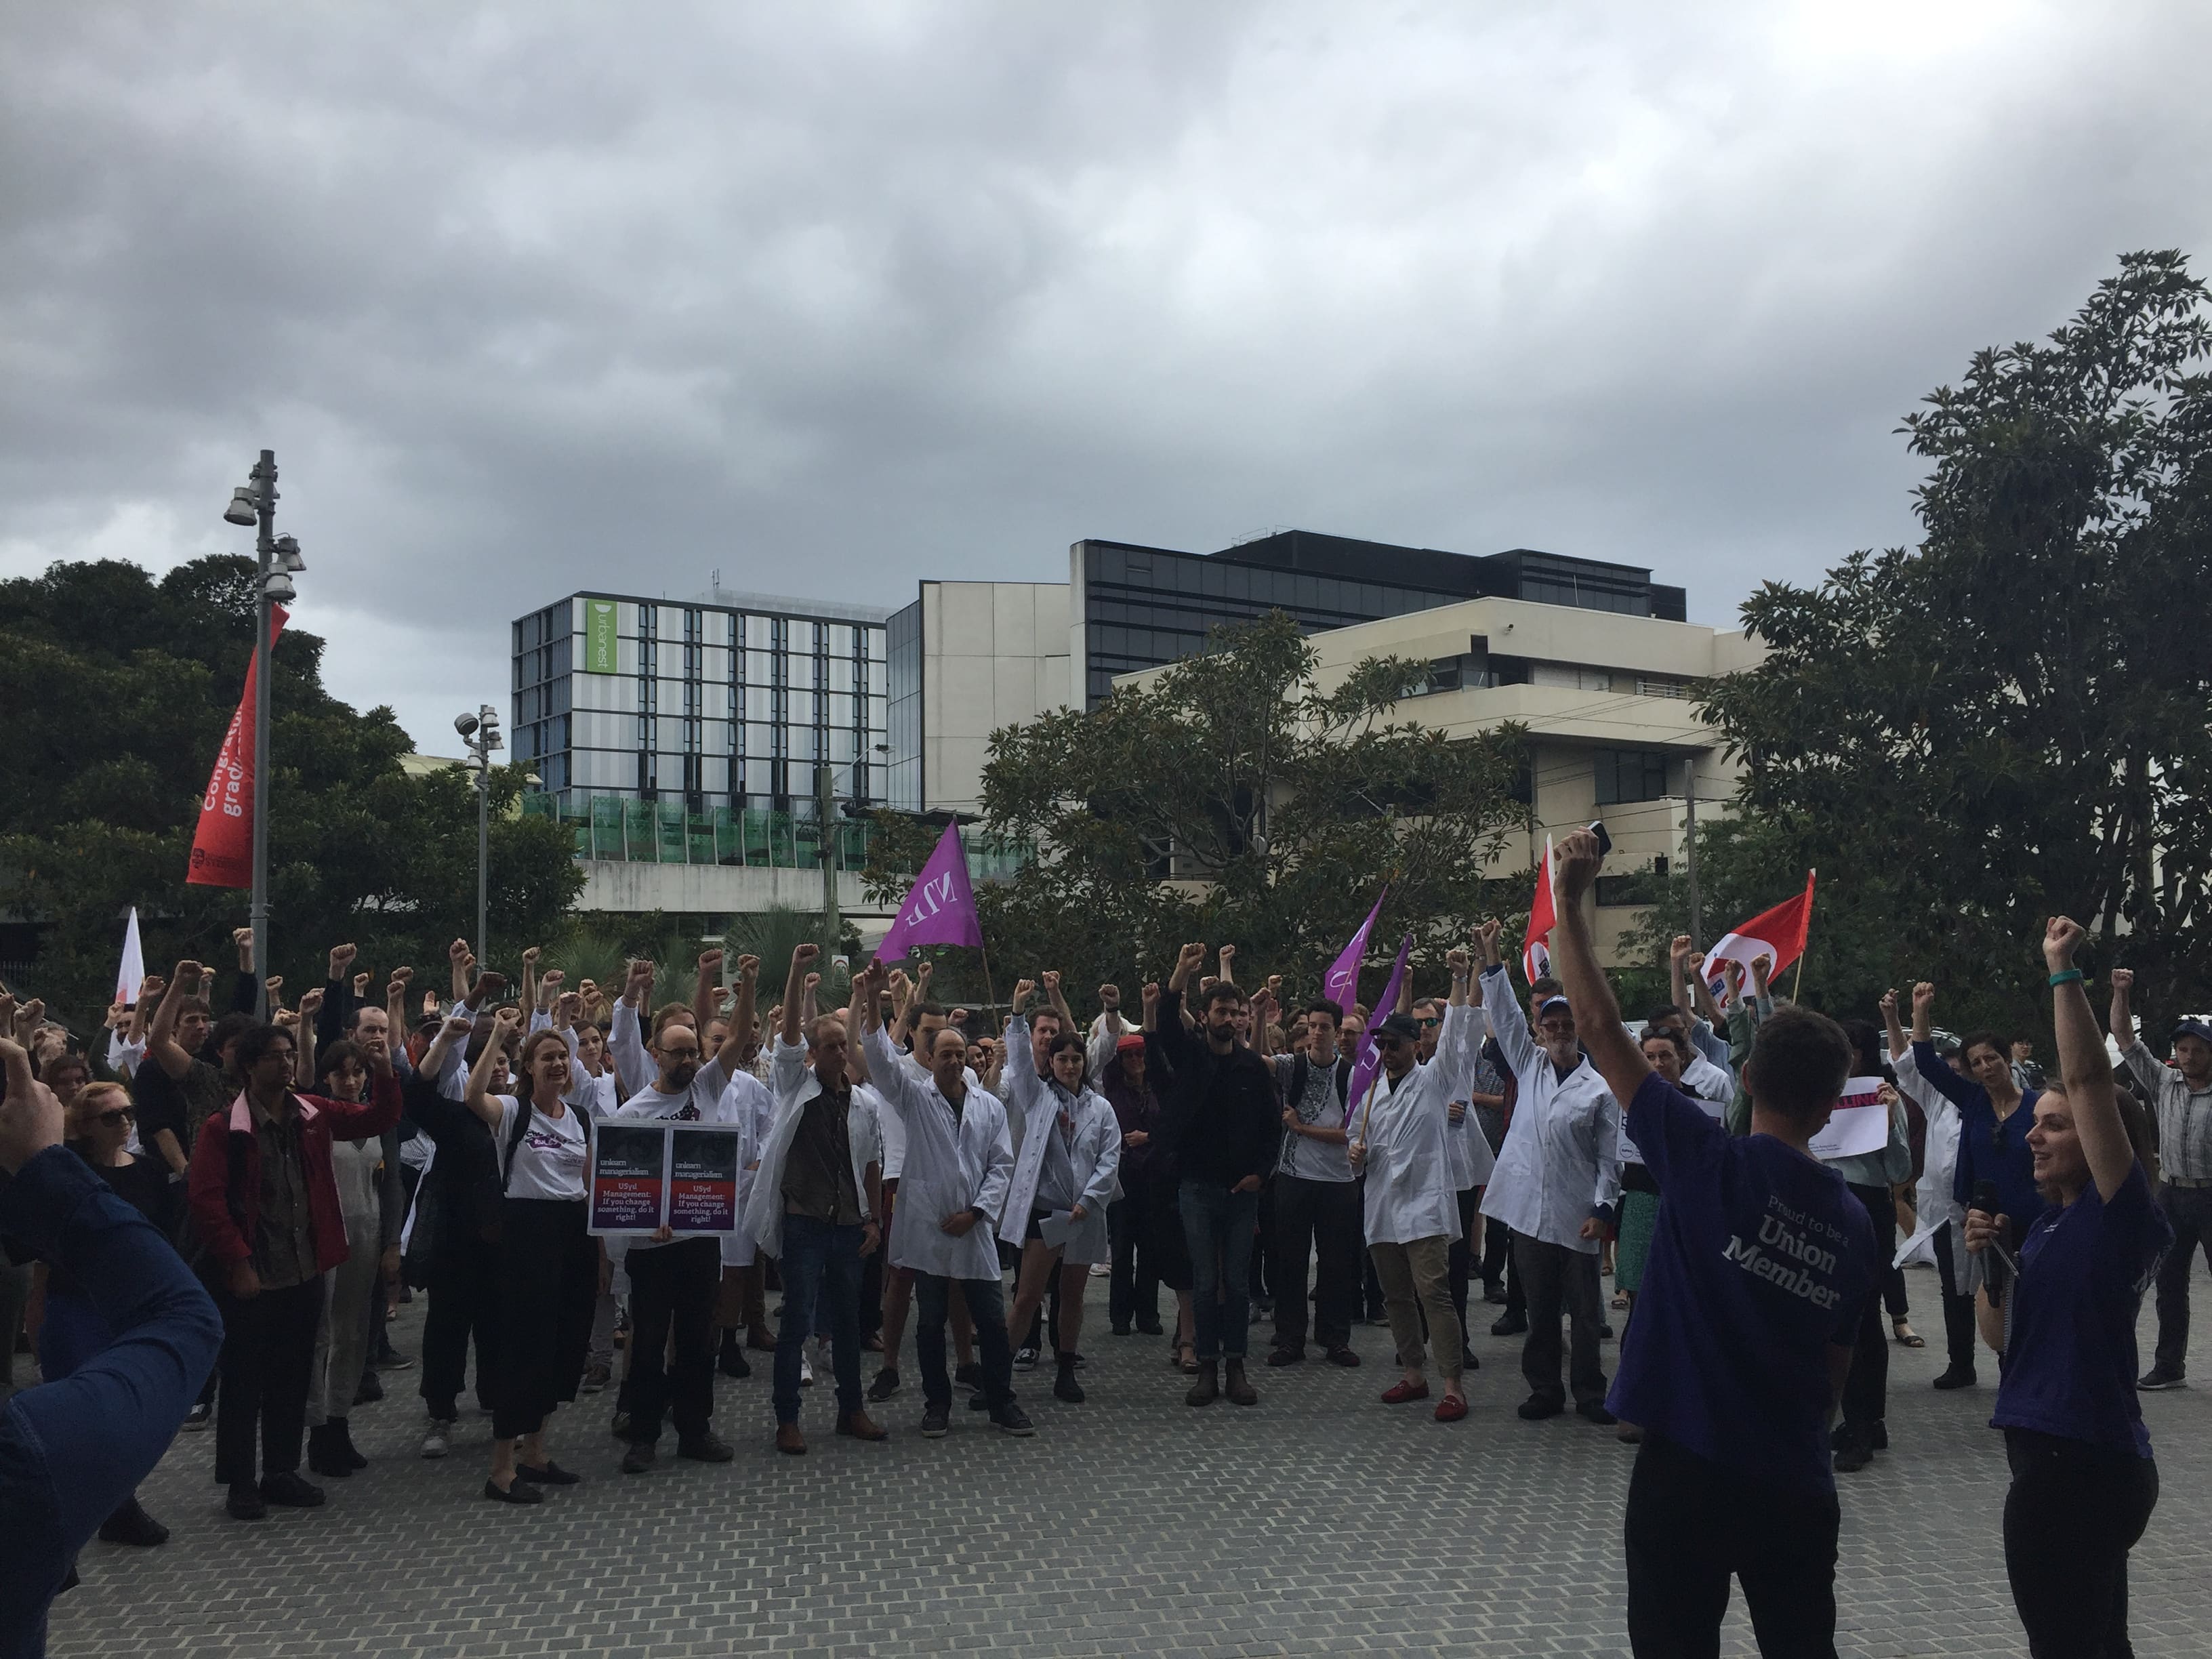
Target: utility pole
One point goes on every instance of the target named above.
(825, 813)
(480, 732)
(1690, 841)
(277, 557)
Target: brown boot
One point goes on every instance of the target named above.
(1240, 1391)
(789, 1439)
(861, 1426)
(1207, 1388)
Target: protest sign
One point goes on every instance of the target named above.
(1859, 1124)
(702, 1178)
(628, 1180)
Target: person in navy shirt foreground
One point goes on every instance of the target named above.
(1744, 1328)
(2083, 1484)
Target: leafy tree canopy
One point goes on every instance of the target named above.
(121, 687)
(1231, 800)
(2016, 717)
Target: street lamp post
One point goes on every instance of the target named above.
(480, 732)
(254, 502)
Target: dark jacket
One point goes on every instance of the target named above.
(1137, 1110)
(226, 1212)
(1222, 1115)
(459, 1200)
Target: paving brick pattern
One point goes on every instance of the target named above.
(1320, 1522)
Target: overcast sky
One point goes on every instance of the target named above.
(830, 297)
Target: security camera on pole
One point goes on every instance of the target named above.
(254, 502)
(480, 732)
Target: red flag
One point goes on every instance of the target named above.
(222, 846)
(1543, 916)
(1780, 933)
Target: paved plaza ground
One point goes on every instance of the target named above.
(1320, 1522)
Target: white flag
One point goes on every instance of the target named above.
(132, 973)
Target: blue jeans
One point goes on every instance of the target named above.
(986, 1307)
(1218, 1225)
(819, 1259)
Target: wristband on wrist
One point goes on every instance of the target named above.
(2066, 976)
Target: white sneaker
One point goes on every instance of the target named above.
(805, 1373)
(435, 1439)
(1101, 1269)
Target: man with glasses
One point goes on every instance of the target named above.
(1557, 1185)
(673, 1282)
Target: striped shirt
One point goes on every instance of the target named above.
(2184, 1116)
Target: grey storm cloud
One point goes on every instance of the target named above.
(832, 298)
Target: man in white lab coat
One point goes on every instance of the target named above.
(1557, 1185)
(952, 1193)
(1400, 1141)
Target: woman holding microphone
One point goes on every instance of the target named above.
(2084, 1482)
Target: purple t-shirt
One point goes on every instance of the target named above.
(1761, 1262)
(2070, 1360)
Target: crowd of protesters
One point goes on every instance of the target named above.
(911, 1170)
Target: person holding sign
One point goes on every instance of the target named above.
(547, 1272)
(2084, 1482)
(816, 1202)
(1743, 1333)
(952, 1192)
(1062, 1180)
(674, 1281)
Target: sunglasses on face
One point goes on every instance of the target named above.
(117, 1118)
(1428, 1021)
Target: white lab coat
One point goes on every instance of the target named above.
(1410, 1193)
(795, 1084)
(1561, 1158)
(954, 1161)
(1472, 1160)
(1095, 1156)
(1932, 1202)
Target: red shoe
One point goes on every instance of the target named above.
(1399, 1393)
(1451, 1408)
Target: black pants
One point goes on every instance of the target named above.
(1959, 1334)
(464, 1304)
(1459, 1260)
(986, 1306)
(1371, 1287)
(1133, 1293)
(672, 1305)
(1260, 1274)
(268, 1352)
(2072, 1514)
(1693, 1524)
(1322, 1219)
(2188, 1209)
(1558, 1279)
(1866, 1390)
(1499, 1237)
(549, 1285)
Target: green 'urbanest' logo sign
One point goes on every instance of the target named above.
(599, 636)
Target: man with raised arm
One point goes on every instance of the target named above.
(1745, 1328)
(2181, 1096)
(958, 1164)
(1556, 1184)
(673, 1281)
(817, 1203)
(1224, 1128)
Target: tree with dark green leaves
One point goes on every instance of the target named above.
(1232, 799)
(121, 688)
(2015, 717)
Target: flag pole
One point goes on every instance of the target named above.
(987, 992)
(1797, 979)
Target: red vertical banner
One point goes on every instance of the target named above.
(222, 846)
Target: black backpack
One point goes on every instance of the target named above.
(1302, 1068)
